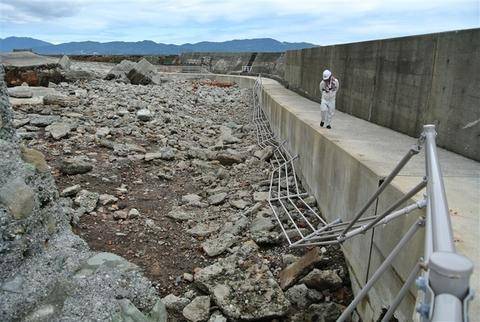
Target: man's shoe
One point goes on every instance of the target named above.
(321, 124)
(329, 127)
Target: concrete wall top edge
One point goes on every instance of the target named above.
(400, 38)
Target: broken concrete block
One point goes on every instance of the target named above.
(142, 73)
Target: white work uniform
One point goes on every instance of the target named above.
(329, 91)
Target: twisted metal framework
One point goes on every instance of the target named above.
(444, 290)
(296, 217)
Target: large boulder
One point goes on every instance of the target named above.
(65, 62)
(216, 246)
(17, 197)
(293, 272)
(298, 295)
(59, 130)
(87, 200)
(243, 287)
(227, 137)
(144, 115)
(120, 71)
(322, 279)
(217, 198)
(75, 165)
(143, 73)
(228, 159)
(175, 303)
(73, 75)
(198, 310)
(42, 120)
(164, 153)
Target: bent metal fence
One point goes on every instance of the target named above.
(441, 275)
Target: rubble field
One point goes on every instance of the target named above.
(168, 176)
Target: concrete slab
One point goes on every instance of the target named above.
(25, 58)
(37, 98)
(30, 68)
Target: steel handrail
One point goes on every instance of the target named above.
(446, 289)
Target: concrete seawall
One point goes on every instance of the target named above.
(403, 83)
(343, 167)
(226, 63)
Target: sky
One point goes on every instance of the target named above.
(321, 22)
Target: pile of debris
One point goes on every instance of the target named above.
(169, 176)
(46, 271)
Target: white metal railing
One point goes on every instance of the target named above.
(445, 284)
(444, 290)
(296, 217)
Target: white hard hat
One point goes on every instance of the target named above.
(327, 74)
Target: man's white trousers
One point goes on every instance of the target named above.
(327, 109)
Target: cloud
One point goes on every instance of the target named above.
(179, 21)
(19, 11)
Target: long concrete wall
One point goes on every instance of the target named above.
(403, 83)
(228, 63)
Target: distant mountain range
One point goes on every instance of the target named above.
(147, 47)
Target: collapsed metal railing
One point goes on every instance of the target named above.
(444, 291)
(296, 216)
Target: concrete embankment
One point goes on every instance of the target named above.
(403, 83)
(342, 167)
(226, 63)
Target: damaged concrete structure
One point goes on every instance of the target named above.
(36, 70)
(30, 68)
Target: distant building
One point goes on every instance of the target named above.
(15, 50)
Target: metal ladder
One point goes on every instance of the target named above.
(444, 291)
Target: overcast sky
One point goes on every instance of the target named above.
(180, 21)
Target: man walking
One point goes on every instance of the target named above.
(328, 87)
